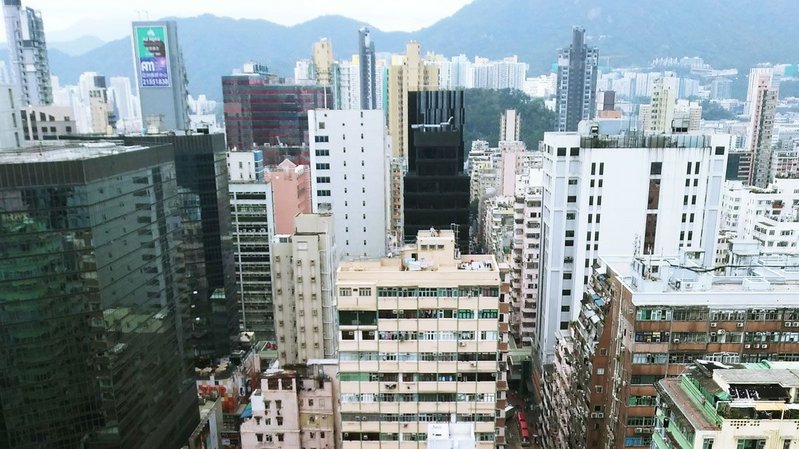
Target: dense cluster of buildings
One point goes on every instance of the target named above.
(336, 270)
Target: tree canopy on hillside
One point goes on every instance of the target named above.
(484, 108)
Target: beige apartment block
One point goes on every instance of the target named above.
(422, 348)
(302, 280)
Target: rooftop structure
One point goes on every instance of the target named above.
(718, 405)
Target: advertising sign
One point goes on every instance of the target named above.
(151, 55)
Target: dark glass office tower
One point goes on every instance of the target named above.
(202, 181)
(92, 297)
(436, 188)
(366, 61)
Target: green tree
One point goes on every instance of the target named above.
(484, 108)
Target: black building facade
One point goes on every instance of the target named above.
(436, 188)
(202, 180)
(93, 296)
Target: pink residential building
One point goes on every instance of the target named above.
(291, 193)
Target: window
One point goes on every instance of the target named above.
(323, 193)
(571, 199)
(321, 139)
(345, 292)
(323, 152)
(323, 179)
(707, 443)
(573, 181)
(562, 151)
(321, 125)
(600, 371)
(751, 443)
(655, 168)
(719, 152)
(323, 166)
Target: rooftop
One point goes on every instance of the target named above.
(679, 279)
(707, 393)
(76, 151)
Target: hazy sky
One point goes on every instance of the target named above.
(109, 19)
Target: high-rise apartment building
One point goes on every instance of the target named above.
(163, 84)
(589, 209)
(202, 179)
(27, 49)
(436, 189)
(259, 111)
(649, 318)
(350, 157)
(762, 109)
(366, 60)
(253, 227)
(509, 126)
(93, 299)
(422, 348)
(577, 75)
(755, 74)
(302, 281)
(526, 252)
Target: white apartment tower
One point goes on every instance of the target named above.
(422, 349)
(350, 156)
(590, 209)
(27, 50)
(302, 283)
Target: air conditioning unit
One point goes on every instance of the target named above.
(474, 363)
(764, 346)
(461, 343)
(788, 324)
(676, 340)
(722, 331)
(639, 430)
(647, 430)
(597, 415)
(757, 346)
(796, 324)
(714, 324)
(712, 334)
(740, 325)
(747, 346)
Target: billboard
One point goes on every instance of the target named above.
(151, 56)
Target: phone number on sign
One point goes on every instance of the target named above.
(158, 82)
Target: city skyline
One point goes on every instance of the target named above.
(268, 236)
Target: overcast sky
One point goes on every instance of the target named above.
(110, 19)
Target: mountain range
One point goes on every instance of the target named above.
(726, 33)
